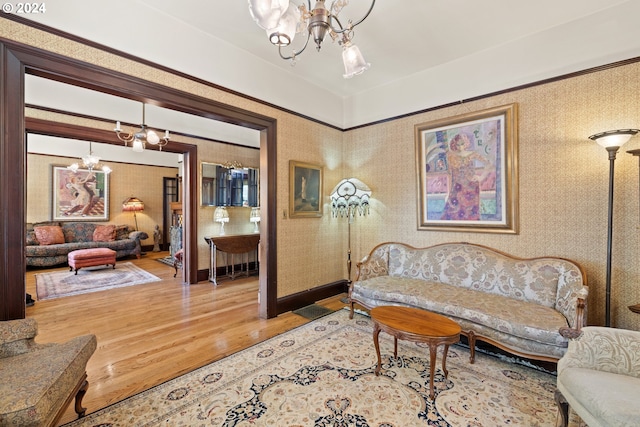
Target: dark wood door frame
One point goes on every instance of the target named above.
(16, 60)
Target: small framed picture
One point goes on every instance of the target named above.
(305, 190)
(79, 196)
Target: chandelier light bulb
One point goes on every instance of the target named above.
(138, 146)
(285, 31)
(353, 60)
(267, 13)
(152, 137)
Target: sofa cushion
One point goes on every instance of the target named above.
(31, 391)
(78, 231)
(49, 235)
(104, 233)
(519, 318)
(602, 396)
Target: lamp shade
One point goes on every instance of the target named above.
(285, 31)
(221, 214)
(132, 204)
(267, 13)
(613, 138)
(349, 196)
(353, 60)
(255, 215)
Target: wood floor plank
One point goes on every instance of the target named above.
(151, 333)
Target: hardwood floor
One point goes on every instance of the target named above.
(150, 333)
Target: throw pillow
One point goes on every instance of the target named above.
(49, 235)
(32, 240)
(122, 232)
(104, 233)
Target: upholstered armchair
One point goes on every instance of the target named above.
(39, 381)
(599, 377)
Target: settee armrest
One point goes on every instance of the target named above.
(375, 264)
(138, 235)
(604, 349)
(368, 268)
(17, 336)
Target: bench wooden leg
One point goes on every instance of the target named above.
(80, 410)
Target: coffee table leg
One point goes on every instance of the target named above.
(376, 333)
(444, 361)
(395, 347)
(433, 350)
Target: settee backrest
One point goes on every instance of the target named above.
(549, 281)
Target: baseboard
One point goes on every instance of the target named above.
(302, 299)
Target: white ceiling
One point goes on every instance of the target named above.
(424, 53)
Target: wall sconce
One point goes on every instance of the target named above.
(255, 219)
(612, 141)
(221, 215)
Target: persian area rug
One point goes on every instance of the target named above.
(58, 284)
(322, 374)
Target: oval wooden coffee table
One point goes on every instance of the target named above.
(415, 325)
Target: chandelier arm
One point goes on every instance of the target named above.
(351, 26)
(294, 52)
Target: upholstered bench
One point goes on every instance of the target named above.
(39, 381)
(91, 258)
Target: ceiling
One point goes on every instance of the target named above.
(424, 53)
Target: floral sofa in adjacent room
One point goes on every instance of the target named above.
(518, 305)
(49, 243)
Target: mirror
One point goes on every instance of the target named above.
(229, 186)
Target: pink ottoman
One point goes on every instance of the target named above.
(91, 257)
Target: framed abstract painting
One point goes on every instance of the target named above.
(467, 169)
(79, 196)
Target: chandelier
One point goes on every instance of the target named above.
(143, 136)
(91, 162)
(282, 20)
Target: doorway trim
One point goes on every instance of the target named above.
(16, 60)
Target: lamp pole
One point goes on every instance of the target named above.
(612, 158)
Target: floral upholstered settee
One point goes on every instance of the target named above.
(518, 305)
(49, 243)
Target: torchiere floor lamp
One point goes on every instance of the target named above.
(612, 141)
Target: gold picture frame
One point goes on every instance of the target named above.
(305, 190)
(467, 170)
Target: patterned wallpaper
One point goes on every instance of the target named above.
(563, 185)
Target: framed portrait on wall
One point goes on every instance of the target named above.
(305, 190)
(467, 172)
(79, 196)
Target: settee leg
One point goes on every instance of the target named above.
(471, 336)
(351, 303)
(80, 410)
(563, 408)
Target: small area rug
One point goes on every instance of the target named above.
(322, 374)
(58, 284)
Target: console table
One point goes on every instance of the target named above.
(240, 244)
